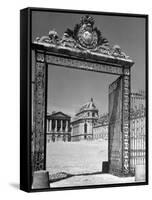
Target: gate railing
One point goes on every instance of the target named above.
(137, 139)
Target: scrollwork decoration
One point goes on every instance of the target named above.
(85, 37)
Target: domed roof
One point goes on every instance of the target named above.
(88, 106)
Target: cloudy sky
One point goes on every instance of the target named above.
(68, 89)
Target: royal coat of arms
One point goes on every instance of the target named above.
(86, 36)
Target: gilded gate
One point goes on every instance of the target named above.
(85, 48)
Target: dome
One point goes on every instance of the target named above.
(87, 111)
(88, 106)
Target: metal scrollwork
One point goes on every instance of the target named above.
(117, 52)
(85, 37)
(126, 71)
(83, 65)
(40, 57)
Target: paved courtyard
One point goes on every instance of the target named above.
(91, 180)
(76, 157)
(79, 163)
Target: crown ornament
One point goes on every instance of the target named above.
(87, 19)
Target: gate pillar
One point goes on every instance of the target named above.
(126, 88)
(39, 111)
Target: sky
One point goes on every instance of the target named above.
(69, 89)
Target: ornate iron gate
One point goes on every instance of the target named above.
(76, 50)
(137, 137)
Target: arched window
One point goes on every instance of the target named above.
(85, 128)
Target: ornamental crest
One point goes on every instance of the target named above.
(87, 37)
(84, 37)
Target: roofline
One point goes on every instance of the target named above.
(50, 115)
(87, 111)
(83, 119)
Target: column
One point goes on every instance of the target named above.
(55, 125)
(66, 127)
(61, 128)
(50, 125)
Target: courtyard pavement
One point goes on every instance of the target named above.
(97, 179)
(76, 157)
(79, 163)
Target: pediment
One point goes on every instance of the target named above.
(58, 115)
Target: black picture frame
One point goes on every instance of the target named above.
(26, 96)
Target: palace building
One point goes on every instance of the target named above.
(137, 118)
(87, 124)
(83, 122)
(58, 127)
(100, 128)
(137, 99)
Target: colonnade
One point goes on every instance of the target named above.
(63, 128)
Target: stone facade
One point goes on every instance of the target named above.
(83, 122)
(137, 100)
(58, 127)
(87, 124)
(100, 128)
(137, 119)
